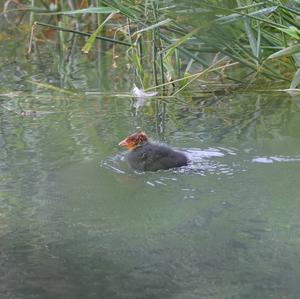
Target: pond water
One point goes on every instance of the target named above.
(77, 222)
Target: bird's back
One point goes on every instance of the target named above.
(152, 157)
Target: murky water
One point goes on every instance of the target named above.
(77, 222)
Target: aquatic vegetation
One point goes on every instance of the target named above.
(171, 46)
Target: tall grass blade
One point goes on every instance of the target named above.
(122, 8)
(101, 10)
(258, 42)
(296, 79)
(257, 14)
(87, 47)
(159, 24)
(286, 52)
(251, 37)
(138, 66)
(170, 49)
(291, 31)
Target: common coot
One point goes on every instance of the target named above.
(146, 156)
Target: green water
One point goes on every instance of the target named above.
(76, 222)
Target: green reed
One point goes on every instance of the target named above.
(235, 41)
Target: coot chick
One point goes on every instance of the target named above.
(146, 156)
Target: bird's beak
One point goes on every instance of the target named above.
(127, 143)
(124, 143)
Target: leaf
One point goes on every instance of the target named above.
(170, 49)
(104, 10)
(286, 52)
(296, 79)
(87, 47)
(258, 41)
(237, 16)
(291, 31)
(137, 64)
(251, 37)
(164, 22)
(130, 13)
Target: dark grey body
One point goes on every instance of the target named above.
(152, 157)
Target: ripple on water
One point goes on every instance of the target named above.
(273, 159)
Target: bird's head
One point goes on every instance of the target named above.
(134, 140)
